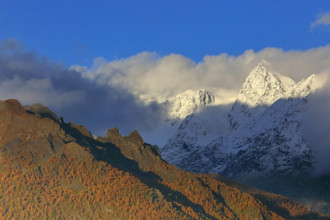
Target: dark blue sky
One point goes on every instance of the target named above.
(75, 32)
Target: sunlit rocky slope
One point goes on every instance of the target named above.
(57, 170)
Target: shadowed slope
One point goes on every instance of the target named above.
(52, 169)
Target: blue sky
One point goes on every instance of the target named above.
(118, 54)
(75, 32)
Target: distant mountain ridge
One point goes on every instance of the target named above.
(261, 136)
(264, 116)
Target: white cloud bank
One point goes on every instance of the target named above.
(39, 91)
(32, 79)
(323, 19)
(152, 76)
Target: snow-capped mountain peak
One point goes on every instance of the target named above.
(188, 102)
(304, 87)
(176, 109)
(260, 135)
(262, 87)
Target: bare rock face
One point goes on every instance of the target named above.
(81, 129)
(134, 147)
(41, 110)
(113, 132)
(38, 129)
(135, 137)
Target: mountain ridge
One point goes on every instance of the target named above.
(260, 106)
(52, 169)
(262, 135)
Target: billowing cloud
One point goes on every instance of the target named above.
(323, 19)
(39, 91)
(316, 125)
(33, 79)
(144, 73)
(152, 76)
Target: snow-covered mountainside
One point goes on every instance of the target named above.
(263, 88)
(187, 103)
(261, 134)
(176, 109)
(259, 140)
